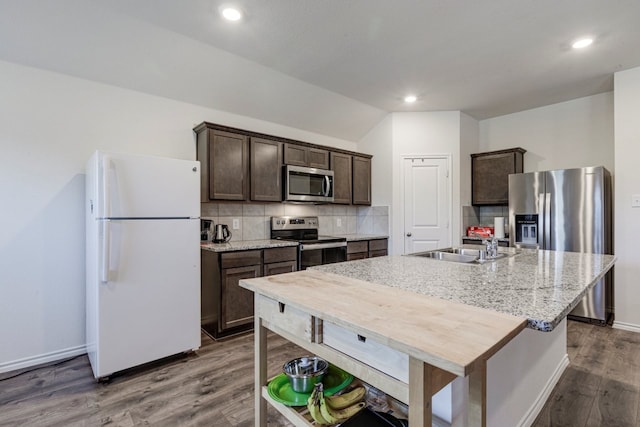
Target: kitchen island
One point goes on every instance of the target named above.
(404, 306)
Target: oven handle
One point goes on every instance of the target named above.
(313, 246)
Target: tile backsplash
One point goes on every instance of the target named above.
(254, 218)
(483, 215)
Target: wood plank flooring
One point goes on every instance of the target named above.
(211, 387)
(214, 387)
(601, 386)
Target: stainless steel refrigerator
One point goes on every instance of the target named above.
(566, 210)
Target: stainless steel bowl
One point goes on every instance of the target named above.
(305, 372)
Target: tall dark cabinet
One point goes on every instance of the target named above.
(361, 180)
(490, 175)
(223, 163)
(341, 167)
(266, 170)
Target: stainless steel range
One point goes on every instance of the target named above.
(313, 249)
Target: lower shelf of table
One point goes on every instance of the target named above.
(300, 417)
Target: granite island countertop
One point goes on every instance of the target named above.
(541, 286)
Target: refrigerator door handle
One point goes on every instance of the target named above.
(547, 221)
(106, 187)
(106, 251)
(541, 221)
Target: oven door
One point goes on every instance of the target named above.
(302, 184)
(321, 253)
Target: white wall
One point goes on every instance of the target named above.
(422, 134)
(469, 143)
(49, 125)
(570, 134)
(627, 183)
(379, 143)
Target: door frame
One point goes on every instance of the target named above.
(448, 158)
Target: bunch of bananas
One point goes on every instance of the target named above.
(334, 409)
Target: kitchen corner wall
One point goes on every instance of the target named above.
(483, 215)
(254, 218)
(50, 124)
(627, 185)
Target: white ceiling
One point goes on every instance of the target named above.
(333, 66)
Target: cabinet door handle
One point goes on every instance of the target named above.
(409, 234)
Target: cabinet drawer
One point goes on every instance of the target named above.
(357, 255)
(378, 245)
(240, 258)
(285, 317)
(279, 268)
(379, 356)
(381, 252)
(358, 246)
(280, 254)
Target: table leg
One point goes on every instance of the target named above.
(477, 403)
(420, 391)
(260, 360)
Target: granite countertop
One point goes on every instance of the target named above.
(541, 286)
(244, 245)
(356, 237)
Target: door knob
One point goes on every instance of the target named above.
(409, 234)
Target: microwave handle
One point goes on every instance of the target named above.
(326, 186)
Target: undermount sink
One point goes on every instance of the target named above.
(461, 255)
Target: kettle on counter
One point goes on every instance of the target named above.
(222, 234)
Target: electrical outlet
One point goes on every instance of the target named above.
(635, 201)
(236, 224)
(339, 222)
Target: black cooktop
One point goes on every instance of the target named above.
(312, 239)
(299, 229)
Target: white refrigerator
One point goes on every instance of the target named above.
(142, 259)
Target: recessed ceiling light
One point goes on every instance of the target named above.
(410, 99)
(231, 14)
(582, 43)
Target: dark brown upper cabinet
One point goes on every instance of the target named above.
(341, 167)
(224, 164)
(266, 170)
(242, 165)
(490, 175)
(301, 155)
(361, 180)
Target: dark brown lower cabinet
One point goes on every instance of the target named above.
(377, 247)
(226, 307)
(237, 302)
(280, 267)
(361, 249)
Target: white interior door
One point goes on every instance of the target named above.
(427, 203)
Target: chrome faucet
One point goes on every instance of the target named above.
(491, 247)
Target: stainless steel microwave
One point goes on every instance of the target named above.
(302, 184)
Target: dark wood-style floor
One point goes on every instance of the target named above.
(214, 387)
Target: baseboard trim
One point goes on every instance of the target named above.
(626, 326)
(40, 359)
(531, 415)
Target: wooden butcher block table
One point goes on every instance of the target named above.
(441, 340)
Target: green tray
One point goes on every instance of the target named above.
(280, 390)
